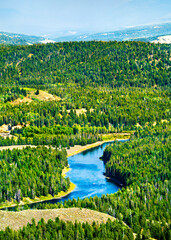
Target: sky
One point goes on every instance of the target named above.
(48, 17)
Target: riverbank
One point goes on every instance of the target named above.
(78, 148)
(27, 200)
(70, 152)
(115, 180)
(110, 137)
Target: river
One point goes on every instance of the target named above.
(87, 173)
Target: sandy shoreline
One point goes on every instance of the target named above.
(70, 152)
(78, 148)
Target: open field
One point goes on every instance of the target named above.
(80, 111)
(15, 146)
(17, 220)
(31, 96)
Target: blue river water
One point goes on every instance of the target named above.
(87, 173)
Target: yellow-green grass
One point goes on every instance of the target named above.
(31, 96)
(80, 111)
(17, 220)
(116, 136)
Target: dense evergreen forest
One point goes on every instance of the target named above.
(142, 159)
(67, 230)
(113, 64)
(10, 94)
(32, 172)
(103, 87)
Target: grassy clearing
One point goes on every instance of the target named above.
(17, 220)
(80, 111)
(115, 136)
(31, 96)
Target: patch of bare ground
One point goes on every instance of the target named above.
(15, 147)
(20, 100)
(4, 131)
(4, 128)
(17, 220)
(6, 134)
(44, 96)
(31, 96)
(80, 111)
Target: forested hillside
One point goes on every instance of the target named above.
(96, 89)
(83, 115)
(112, 64)
(7, 38)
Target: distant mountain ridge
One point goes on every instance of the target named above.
(20, 39)
(148, 33)
(143, 33)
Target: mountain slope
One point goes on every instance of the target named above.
(20, 39)
(94, 63)
(144, 33)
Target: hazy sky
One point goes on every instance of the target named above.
(39, 17)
